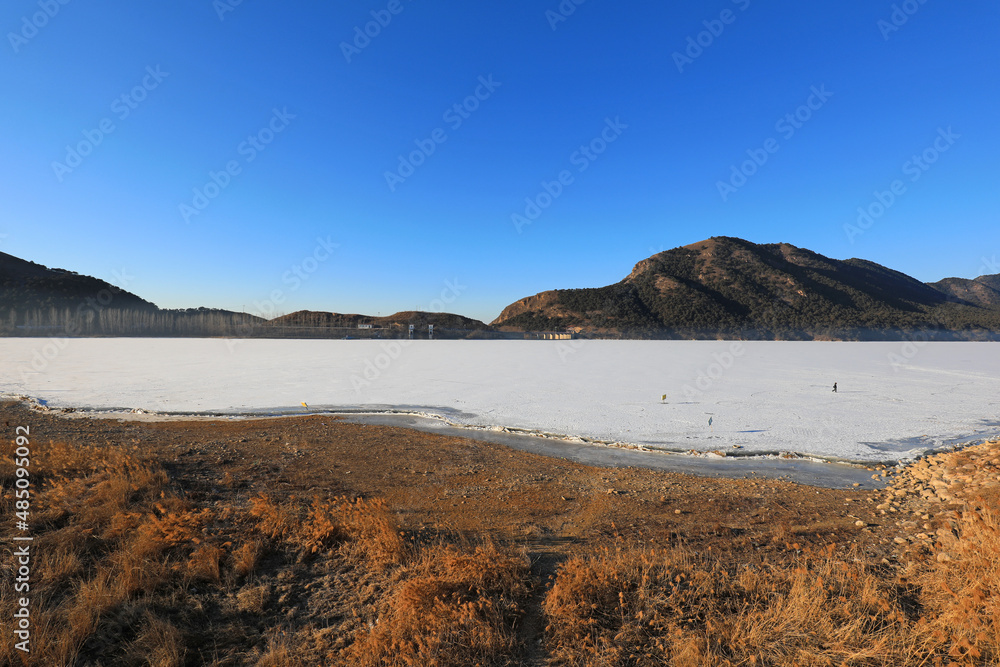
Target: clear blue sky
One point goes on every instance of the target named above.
(204, 81)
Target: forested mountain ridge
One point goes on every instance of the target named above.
(983, 291)
(27, 286)
(723, 286)
(420, 319)
(729, 285)
(37, 301)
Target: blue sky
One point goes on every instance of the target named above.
(274, 157)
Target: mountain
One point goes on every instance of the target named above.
(29, 286)
(983, 291)
(729, 285)
(37, 300)
(420, 319)
(720, 287)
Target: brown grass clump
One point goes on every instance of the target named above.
(635, 606)
(244, 558)
(159, 644)
(96, 533)
(121, 551)
(367, 528)
(447, 608)
(629, 606)
(960, 592)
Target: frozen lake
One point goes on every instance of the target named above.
(895, 400)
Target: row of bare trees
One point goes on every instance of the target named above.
(90, 321)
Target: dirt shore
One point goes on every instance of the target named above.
(456, 490)
(477, 487)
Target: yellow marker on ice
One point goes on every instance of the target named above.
(663, 398)
(304, 404)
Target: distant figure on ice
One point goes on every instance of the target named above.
(835, 387)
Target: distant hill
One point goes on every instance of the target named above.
(983, 291)
(420, 319)
(718, 287)
(729, 285)
(29, 286)
(37, 300)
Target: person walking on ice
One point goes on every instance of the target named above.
(835, 387)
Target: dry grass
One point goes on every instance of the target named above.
(130, 571)
(637, 606)
(642, 607)
(449, 607)
(118, 545)
(961, 593)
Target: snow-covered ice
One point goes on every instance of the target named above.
(895, 400)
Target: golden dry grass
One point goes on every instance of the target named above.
(638, 606)
(122, 558)
(961, 594)
(448, 607)
(116, 541)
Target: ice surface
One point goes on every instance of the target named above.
(895, 400)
